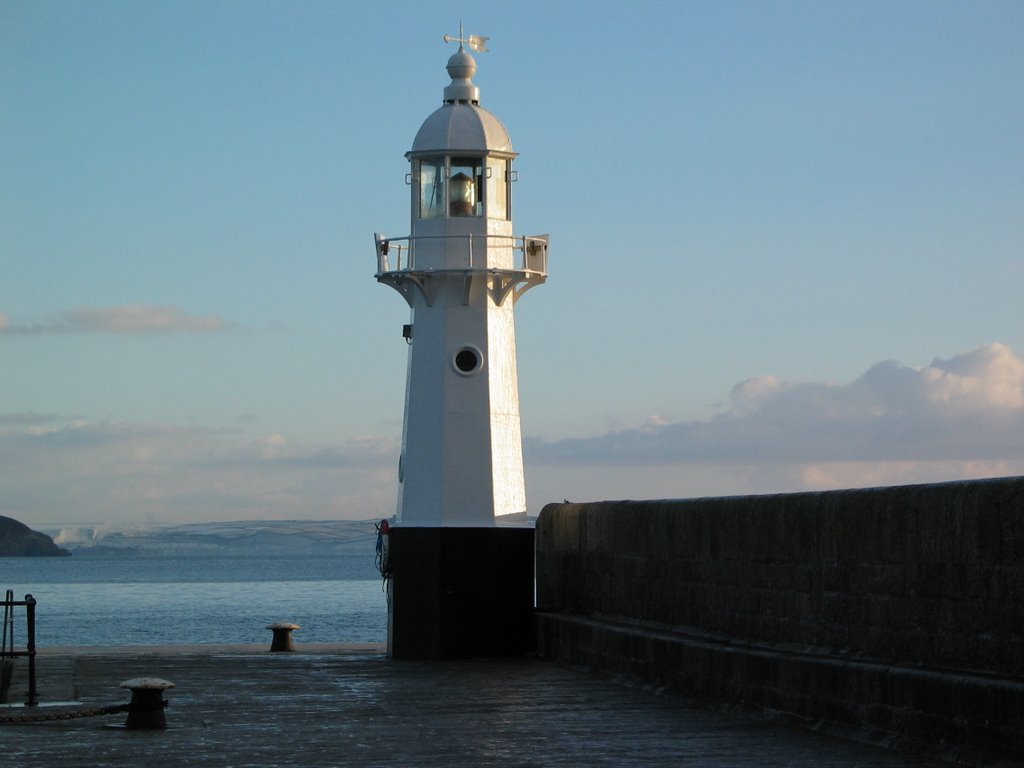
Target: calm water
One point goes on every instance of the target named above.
(86, 600)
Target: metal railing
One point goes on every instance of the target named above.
(532, 251)
(8, 652)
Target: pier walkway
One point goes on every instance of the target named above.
(333, 705)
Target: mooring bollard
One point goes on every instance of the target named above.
(282, 636)
(146, 709)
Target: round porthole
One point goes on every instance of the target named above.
(467, 360)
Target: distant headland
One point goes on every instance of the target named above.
(18, 540)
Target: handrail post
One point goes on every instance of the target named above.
(30, 621)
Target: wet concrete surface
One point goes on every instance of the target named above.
(351, 706)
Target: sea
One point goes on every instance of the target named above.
(189, 600)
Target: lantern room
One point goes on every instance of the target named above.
(461, 157)
(461, 177)
(458, 185)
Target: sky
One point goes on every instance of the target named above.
(787, 248)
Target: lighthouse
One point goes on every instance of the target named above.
(461, 271)
(458, 584)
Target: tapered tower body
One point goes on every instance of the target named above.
(461, 270)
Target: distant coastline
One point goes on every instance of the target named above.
(268, 538)
(18, 540)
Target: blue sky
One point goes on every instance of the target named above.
(787, 245)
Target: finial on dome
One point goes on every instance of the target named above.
(462, 67)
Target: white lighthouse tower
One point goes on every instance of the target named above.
(461, 270)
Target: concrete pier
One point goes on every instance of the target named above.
(334, 705)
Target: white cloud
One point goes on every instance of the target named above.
(747, 396)
(967, 408)
(955, 418)
(129, 319)
(277, 450)
(75, 471)
(26, 418)
(987, 378)
(580, 482)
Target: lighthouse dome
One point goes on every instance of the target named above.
(461, 127)
(461, 124)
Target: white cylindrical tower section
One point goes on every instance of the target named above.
(461, 461)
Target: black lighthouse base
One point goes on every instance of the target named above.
(460, 592)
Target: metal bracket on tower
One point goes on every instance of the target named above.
(406, 282)
(467, 287)
(515, 283)
(501, 286)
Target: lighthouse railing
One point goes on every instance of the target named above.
(398, 254)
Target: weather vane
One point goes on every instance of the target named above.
(477, 42)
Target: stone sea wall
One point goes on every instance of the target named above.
(898, 610)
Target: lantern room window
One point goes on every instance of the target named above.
(497, 188)
(451, 186)
(465, 186)
(432, 175)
